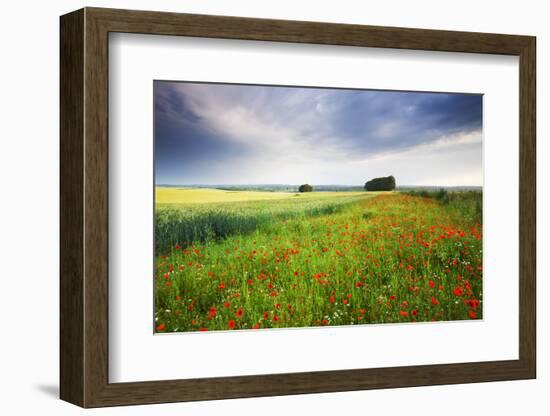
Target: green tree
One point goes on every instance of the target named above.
(381, 184)
(305, 188)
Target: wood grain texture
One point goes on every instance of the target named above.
(96, 208)
(226, 27)
(84, 207)
(71, 100)
(527, 207)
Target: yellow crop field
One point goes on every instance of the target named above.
(206, 195)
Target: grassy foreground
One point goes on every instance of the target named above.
(388, 258)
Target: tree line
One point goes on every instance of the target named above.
(377, 184)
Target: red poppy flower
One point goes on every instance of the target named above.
(332, 300)
(434, 301)
(392, 297)
(414, 312)
(324, 322)
(256, 325)
(227, 305)
(472, 314)
(240, 313)
(221, 285)
(431, 283)
(458, 291)
(212, 313)
(275, 318)
(161, 327)
(203, 329)
(266, 315)
(231, 324)
(404, 313)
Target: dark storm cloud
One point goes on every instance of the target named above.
(375, 121)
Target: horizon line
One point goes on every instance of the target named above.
(312, 184)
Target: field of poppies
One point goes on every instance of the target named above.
(322, 260)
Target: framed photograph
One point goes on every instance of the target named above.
(254, 207)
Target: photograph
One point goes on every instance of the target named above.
(289, 207)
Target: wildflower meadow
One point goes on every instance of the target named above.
(317, 259)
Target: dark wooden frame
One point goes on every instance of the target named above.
(84, 207)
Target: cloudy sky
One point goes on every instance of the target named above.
(244, 134)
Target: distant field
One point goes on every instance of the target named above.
(166, 196)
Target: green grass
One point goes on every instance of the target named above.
(192, 222)
(326, 260)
